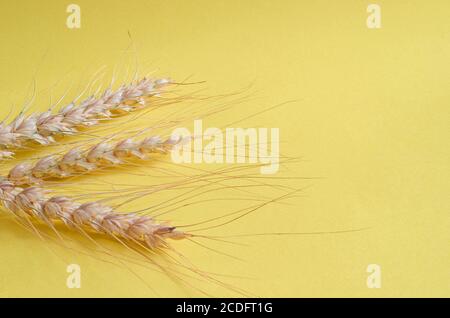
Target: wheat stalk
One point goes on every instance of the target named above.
(32, 203)
(77, 160)
(42, 127)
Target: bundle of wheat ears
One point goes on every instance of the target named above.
(22, 195)
(26, 192)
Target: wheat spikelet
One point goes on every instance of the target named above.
(4, 154)
(32, 203)
(77, 161)
(42, 127)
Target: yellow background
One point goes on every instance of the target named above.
(371, 119)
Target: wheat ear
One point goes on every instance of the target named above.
(32, 203)
(78, 161)
(5, 154)
(42, 127)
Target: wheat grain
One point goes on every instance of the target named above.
(4, 154)
(77, 161)
(32, 203)
(42, 127)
